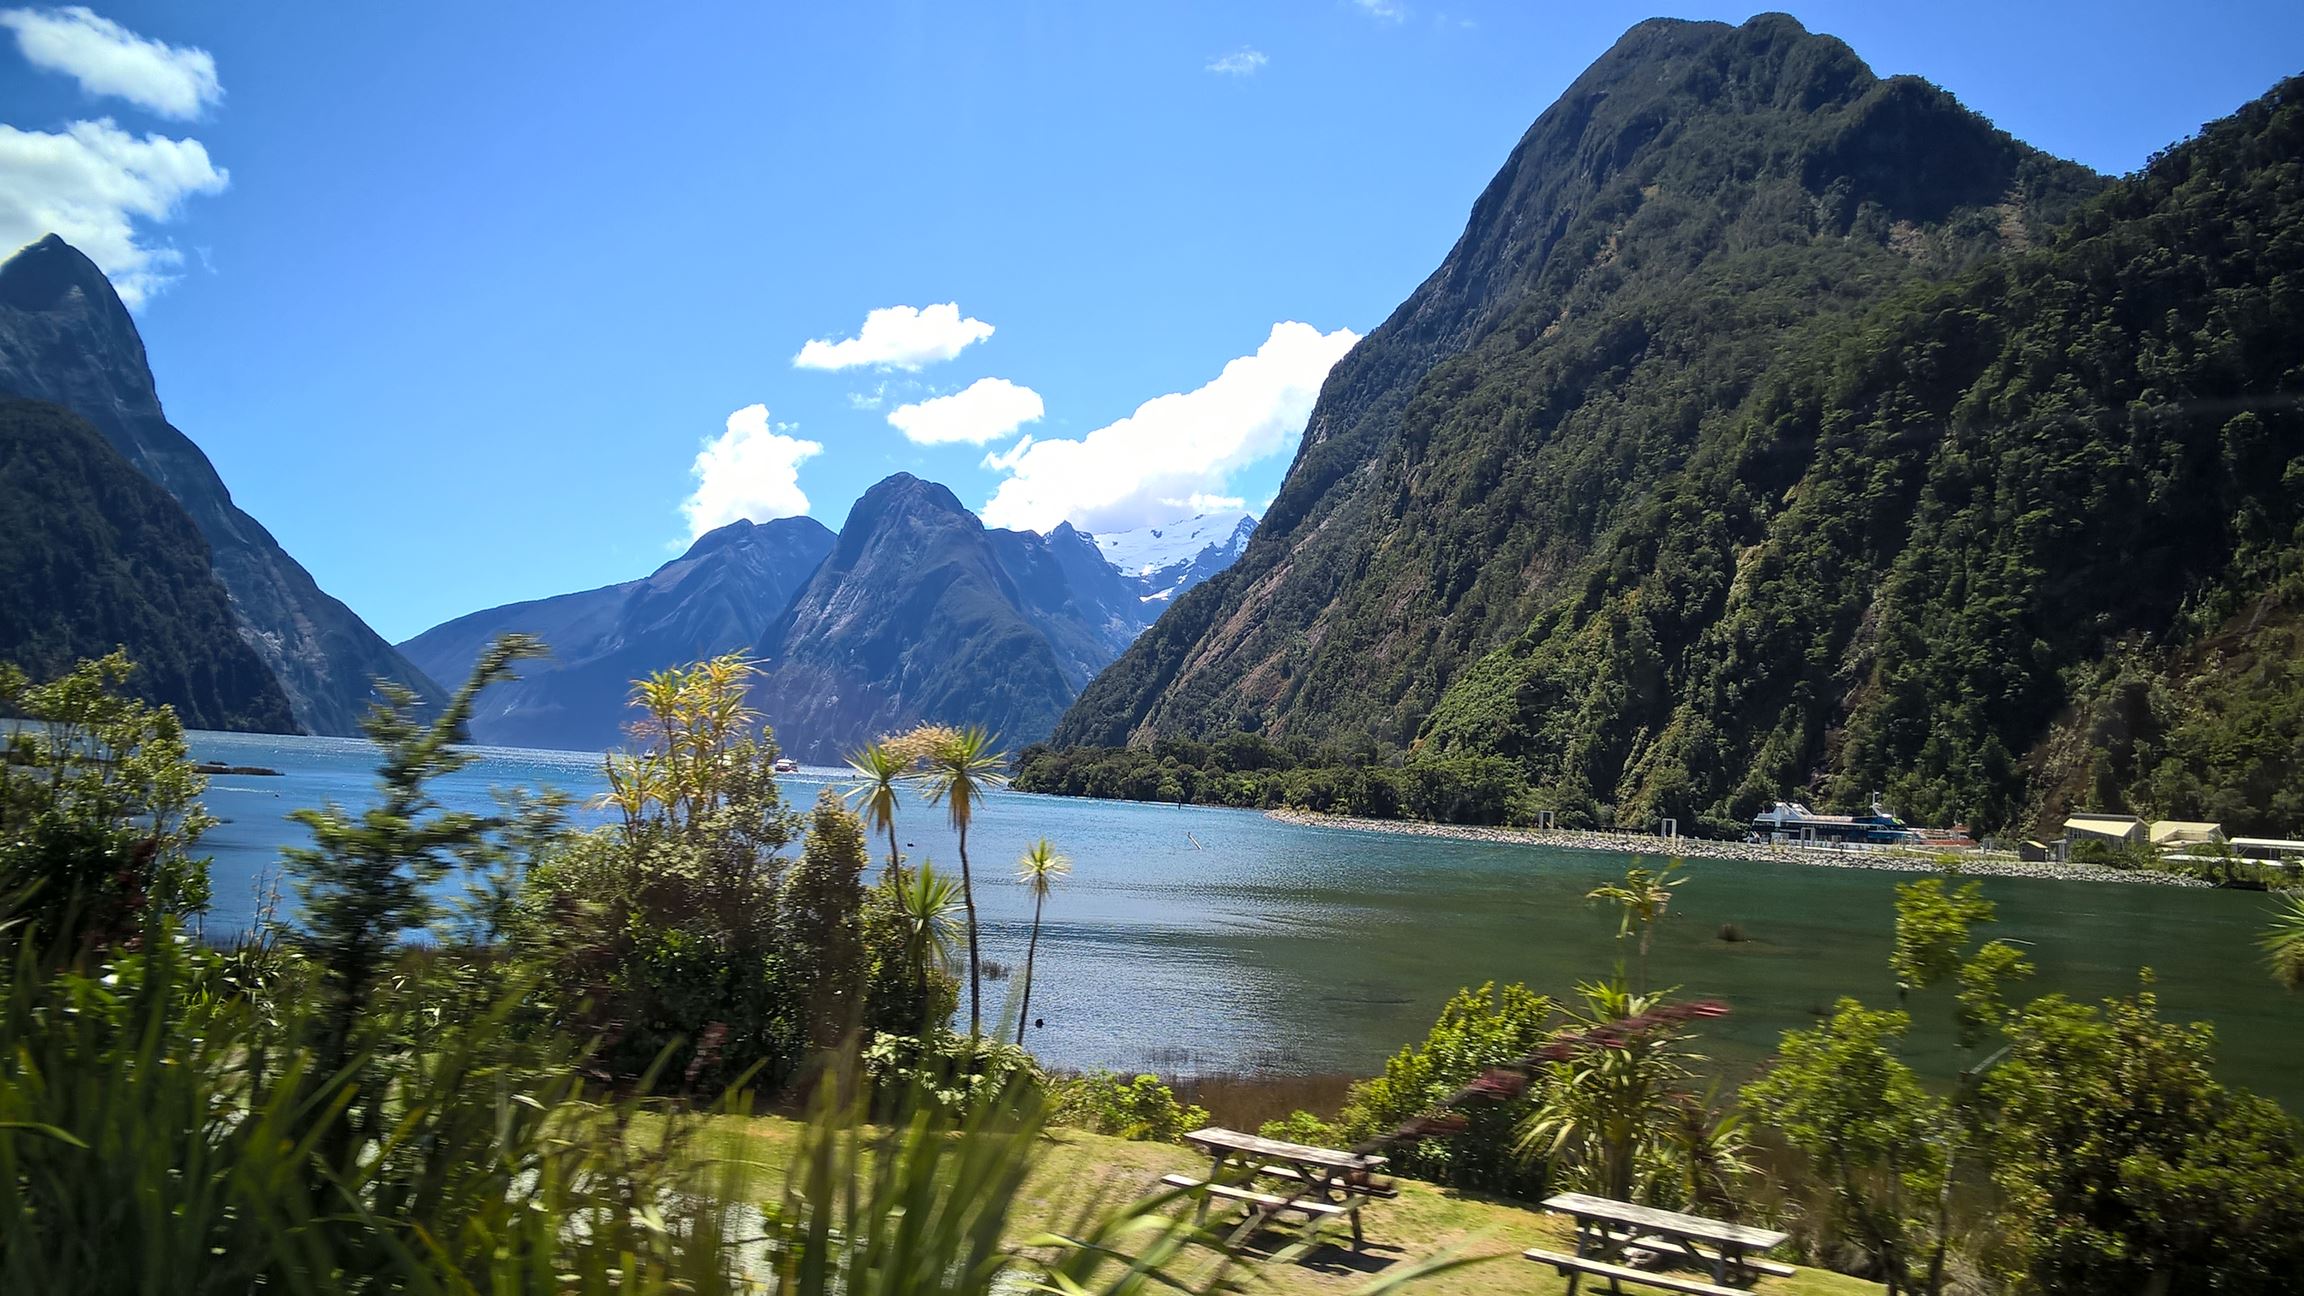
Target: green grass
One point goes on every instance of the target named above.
(1078, 1170)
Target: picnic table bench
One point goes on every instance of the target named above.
(1605, 1229)
(1315, 1182)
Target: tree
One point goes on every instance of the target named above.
(368, 879)
(879, 768)
(1839, 1095)
(1040, 869)
(660, 932)
(2128, 1167)
(1642, 899)
(98, 808)
(822, 912)
(962, 767)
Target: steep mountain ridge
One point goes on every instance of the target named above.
(2015, 528)
(920, 613)
(1698, 200)
(65, 338)
(95, 556)
(720, 596)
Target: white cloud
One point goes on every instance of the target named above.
(108, 59)
(1386, 10)
(898, 337)
(1145, 468)
(986, 410)
(92, 184)
(1200, 503)
(1243, 61)
(752, 470)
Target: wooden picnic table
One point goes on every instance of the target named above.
(1604, 1228)
(1315, 1182)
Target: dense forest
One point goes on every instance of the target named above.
(1829, 441)
(95, 557)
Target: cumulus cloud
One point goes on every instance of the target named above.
(92, 183)
(986, 410)
(1177, 452)
(108, 59)
(898, 337)
(1243, 61)
(752, 470)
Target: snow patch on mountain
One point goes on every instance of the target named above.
(1172, 557)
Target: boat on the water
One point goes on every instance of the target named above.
(1794, 821)
(787, 765)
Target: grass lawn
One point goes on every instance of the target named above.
(1079, 1170)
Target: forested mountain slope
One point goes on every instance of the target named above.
(93, 556)
(1701, 201)
(1994, 546)
(66, 338)
(2008, 501)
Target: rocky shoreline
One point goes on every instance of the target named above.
(1693, 849)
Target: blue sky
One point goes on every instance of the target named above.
(474, 303)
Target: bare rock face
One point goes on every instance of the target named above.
(65, 338)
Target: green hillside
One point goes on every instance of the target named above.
(95, 556)
(1777, 427)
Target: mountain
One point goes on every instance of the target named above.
(722, 595)
(1662, 486)
(94, 556)
(65, 338)
(1174, 557)
(921, 614)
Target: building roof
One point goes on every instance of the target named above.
(2269, 843)
(2105, 825)
(2167, 831)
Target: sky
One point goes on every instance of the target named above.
(478, 303)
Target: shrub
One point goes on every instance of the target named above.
(1477, 1029)
(1303, 1127)
(949, 1072)
(1142, 1108)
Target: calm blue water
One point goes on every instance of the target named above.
(1316, 949)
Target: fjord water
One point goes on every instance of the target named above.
(1191, 939)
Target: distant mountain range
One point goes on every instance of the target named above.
(914, 612)
(66, 340)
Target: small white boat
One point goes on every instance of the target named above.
(787, 765)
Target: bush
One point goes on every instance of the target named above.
(1477, 1029)
(1303, 1127)
(950, 1073)
(1143, 1108)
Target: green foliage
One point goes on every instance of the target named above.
(2126, 1164)
(959, 768)
(1142, 1108)
(1304, 1127)
(2283, 943)
(98, 808)
(1246, 771)
(94, 556)
(1868, 1130)
(661, 934)
(1615, 1111)
(822, 913)
(1477, 1029)
(946, 1072)
(1932, 925)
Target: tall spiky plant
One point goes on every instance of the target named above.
(879, 768)
(962, 769)
(2284, 943)
(1041, 869)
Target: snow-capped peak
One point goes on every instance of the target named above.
(1150, 550)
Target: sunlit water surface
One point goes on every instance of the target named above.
(1193, 939)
